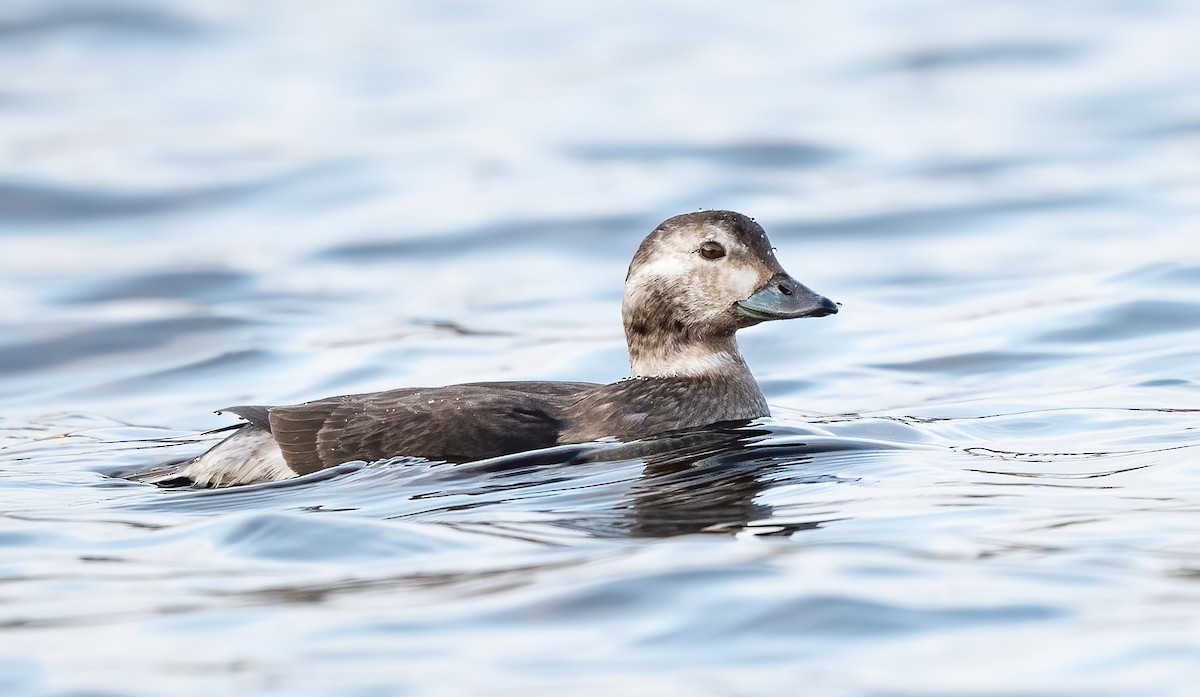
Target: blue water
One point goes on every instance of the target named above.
(981, 477)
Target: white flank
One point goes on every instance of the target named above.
(249, 455)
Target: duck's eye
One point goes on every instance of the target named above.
(712, 250)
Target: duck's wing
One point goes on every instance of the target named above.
(458, 423)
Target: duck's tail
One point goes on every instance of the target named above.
(247, 455)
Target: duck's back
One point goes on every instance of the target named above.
(457, 423)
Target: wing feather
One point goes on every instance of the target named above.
(458, 423)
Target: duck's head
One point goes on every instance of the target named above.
(708, 274)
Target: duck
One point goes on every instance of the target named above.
(693, 283)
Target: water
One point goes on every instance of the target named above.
(981, 476)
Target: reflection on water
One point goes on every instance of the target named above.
(981, 475)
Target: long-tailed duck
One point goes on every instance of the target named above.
(694, 281)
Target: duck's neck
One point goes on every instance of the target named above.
(672, 355)
(719, 385)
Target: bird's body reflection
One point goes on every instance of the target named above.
(696, 481)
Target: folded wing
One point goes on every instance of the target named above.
(458, 423)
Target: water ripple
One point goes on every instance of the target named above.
(981, 476)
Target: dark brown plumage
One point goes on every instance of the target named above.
(458, 423)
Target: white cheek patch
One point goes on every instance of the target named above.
(664, 265)
(742, 280)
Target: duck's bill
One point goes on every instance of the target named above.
(783, 297)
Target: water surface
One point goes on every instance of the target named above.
(980, 478)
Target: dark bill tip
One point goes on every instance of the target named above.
(828, 307)
(783, 297)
